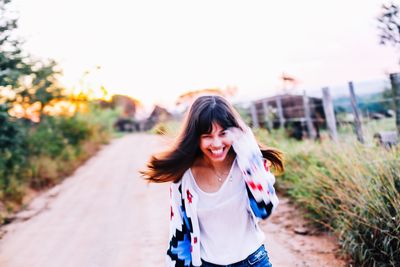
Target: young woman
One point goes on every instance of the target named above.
(221, 186)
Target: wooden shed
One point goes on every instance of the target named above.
(291, 112)
(159, 114)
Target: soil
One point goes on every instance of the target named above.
(105, 215)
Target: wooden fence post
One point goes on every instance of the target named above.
(395, 81)
(280, 112)
(329, 113)
(310, 127)
(254, 115)
(356, 112)
(266, 115)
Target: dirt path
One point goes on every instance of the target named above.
(105, 215)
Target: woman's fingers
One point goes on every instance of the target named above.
(234, 133)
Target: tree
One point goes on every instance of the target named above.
(39, 87)
(187, 98)
(12, 60)
(23, 80)
(389, 25)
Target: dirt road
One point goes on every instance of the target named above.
(104, 215)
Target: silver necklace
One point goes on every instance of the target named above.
(220, 178)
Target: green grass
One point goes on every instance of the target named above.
(369, 128)
(350, 189)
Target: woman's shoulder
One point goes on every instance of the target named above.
(185, 176)
(177, 187)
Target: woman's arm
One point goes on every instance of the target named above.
(259, 180)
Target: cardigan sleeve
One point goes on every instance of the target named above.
(179, 251)
(259, 180)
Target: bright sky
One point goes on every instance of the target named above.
(156, 50)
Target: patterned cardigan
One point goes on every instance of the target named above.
(184, 245)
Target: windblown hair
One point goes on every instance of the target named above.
(170, 165)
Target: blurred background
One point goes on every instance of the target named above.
(317, 79)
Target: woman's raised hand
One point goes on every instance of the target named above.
(236, 132)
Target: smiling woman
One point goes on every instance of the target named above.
(215, 145)
(221, 187)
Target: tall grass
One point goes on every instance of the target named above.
(59, 144)
(350, 189)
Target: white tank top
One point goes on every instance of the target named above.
(228, 232)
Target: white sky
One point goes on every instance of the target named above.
(156, 50)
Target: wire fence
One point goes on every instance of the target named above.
(365, 111)
(369, 114)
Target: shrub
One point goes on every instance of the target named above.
(101, 122)
(12, 156)
(73, 129)
(40, 155)
(45, 139)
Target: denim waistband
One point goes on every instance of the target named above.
(239, 263)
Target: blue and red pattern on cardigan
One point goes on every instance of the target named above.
(180, 247)
(261, 194)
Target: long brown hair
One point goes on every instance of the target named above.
(170, 165)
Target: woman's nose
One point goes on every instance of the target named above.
(217, 142)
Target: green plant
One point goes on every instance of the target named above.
(350, 189)
(12, 155)
(73, 129)
(46, 139)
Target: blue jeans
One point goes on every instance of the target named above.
(259, 258)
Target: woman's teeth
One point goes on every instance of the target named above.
(217, 152)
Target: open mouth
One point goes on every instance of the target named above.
(217, 152)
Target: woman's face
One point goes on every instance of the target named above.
(215, 145)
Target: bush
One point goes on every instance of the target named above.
(40, 155)
(56, 142)
(12, 156)
(73, 129)
(45, 139)
(101, 122)
(54, 134)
